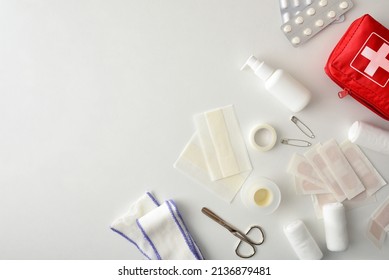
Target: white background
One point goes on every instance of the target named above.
(96, 104)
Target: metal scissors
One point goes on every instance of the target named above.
(243, 237)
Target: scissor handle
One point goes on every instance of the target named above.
(239, 254)
(243, 237)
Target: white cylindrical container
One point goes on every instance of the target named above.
(302, 241)
(261, 195)
(335, 226)
(369, 136)
(283, 86)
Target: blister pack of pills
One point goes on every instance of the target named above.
(289, 8)
(313, 18)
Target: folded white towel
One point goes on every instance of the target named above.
(158, 231)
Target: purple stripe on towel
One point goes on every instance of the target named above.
(148, 240)
(186, 229)
(185, 233)
(132, 241)
(153, 198)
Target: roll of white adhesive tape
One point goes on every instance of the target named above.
(263, 137)
(261, 195)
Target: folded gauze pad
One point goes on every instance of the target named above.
(222, 143)
(191, 162)
(369, 136)
(216, 155)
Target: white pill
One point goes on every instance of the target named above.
(299, 20)
(343, 5)
(296, 40)
(284, 4)
(311, 11)
(319, 23)
(331, 14)
(323, 3)
(296, 3)
(308, 2)
(287, 28)
(307, 31)
(286, 17)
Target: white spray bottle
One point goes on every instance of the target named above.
(283, 86)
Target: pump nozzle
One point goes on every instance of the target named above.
(252, 62)
(260, 68)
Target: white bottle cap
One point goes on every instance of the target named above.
(260, 69)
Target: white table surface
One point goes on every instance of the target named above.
(96, 104)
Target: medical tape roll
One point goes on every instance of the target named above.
(268, 135)
(335, 226)
(261, 195)
(302, 241)
(369, 136)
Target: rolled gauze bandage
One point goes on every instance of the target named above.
(369, 136)
(302, 241)
(335, 226)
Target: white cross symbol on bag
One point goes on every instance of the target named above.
(377, 59)
(372, 60)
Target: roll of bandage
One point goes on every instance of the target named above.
(302, 241)
(369, 136)
(335, 226)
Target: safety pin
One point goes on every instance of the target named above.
(296, 142)
(303, 127)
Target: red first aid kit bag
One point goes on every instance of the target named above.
(359, 64)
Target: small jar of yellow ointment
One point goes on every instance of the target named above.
(261, 194)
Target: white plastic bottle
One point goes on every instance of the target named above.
(283, 86)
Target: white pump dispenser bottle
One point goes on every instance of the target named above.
(283, 86)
